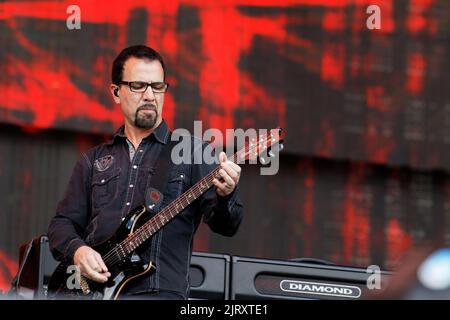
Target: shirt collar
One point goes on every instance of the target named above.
(161, 133)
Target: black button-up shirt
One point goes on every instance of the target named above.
(106, 185)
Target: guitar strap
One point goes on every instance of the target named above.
(158, 182)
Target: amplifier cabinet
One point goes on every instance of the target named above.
(209, 276)
(254, 278)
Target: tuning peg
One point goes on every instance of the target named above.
(275, 149)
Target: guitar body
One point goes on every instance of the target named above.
(65, 283)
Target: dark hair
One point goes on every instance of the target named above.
(138, 51)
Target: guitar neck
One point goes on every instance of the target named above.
(171, 211)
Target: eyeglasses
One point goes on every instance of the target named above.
(141, 86)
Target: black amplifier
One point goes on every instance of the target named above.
(254, 278)
(209, 276)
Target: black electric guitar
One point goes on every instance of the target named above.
(119, 251)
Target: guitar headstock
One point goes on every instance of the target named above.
(268, 143)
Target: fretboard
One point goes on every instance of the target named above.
(148, 229)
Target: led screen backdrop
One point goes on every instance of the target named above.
(348, 97)
(313, 67)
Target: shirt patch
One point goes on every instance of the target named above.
(153, 199)
(104, 163)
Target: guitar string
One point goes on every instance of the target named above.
(114, 256)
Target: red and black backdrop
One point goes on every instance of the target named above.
(364, 175)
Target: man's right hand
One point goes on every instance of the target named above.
(91, 264)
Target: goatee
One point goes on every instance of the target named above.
(146, 120)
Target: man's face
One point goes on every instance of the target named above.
(141, 110)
